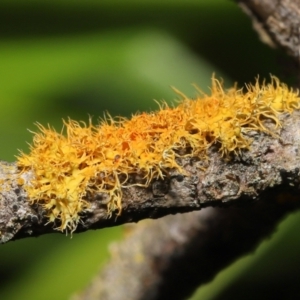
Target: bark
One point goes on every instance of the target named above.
(252, 190)
(277, 22)
(271, 162)
(169, 258)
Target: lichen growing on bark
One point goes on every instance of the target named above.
(104, 158)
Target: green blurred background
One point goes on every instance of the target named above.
(61, 59)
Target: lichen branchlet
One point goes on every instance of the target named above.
(102, 158)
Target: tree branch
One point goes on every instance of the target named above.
(197, 245)
(171, 257)
(271, 163)
(277, 22)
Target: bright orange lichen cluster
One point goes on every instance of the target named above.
(102, 159)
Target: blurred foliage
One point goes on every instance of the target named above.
(61, 59)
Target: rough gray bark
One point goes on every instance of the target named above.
(277, 22)
(272, 161)
(199, 244)
(256, 189)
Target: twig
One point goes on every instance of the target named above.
(170, 257)
(272, 162)
(277, 22)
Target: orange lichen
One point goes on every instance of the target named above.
(101, 159)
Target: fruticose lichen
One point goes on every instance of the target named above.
(104, 158)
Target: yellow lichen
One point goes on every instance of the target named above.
(20, 181)
(101, 159)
